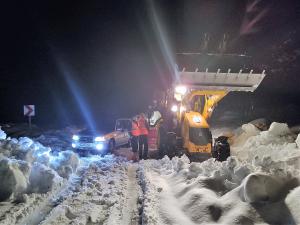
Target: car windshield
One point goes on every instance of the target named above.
(89, 132)
(123, 124)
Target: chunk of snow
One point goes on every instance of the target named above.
(278, 129)
(247, 131)
(293, 203)
(2, 134)
(298, 141)
(65, 163)
(13, 180)
(258, 187)
(42, 179)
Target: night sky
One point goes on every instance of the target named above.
(105, 59)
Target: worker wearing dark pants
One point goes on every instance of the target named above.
(143, 146)
(143, 138)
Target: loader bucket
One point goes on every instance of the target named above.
(221, 81)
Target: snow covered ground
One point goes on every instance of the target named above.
(259, 184)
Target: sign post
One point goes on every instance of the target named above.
(29, 110)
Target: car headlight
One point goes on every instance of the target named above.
(99, 139)
(75, 137)
(99, 146)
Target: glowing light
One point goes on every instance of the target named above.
(181, 90)
(174, 108)
(196, 119)
(100, 139)
(162, 38)
(73, 145)
(182, 109)
(76, 91)
(75, 137)
(99, 146)
(178, 97)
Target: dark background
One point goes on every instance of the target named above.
(93, 61)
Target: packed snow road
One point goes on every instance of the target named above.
(103, 191)
(259, 184)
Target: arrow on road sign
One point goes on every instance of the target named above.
(29, 110)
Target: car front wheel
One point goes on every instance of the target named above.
(111, 146)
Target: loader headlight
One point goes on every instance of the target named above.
(75, 137)
(196, 119)
(181, 90)
(99, 138)
(174, 108)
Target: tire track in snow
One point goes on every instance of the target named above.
(42, 210)
(130, 213)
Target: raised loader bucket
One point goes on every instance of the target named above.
(221, 81)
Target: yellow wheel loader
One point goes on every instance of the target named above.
(196, 94)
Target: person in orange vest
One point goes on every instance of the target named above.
(143, 137)
(135, 133)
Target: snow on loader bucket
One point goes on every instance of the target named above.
(197, 93)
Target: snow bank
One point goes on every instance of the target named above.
(13, 179)
(258, 184)
(277, 143)
(65, 163)
(27, 166)
(42, 179)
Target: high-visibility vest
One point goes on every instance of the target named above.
(142, 126)
(135, 131)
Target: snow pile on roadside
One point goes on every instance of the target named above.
(65, 163)
(14, 178)
(278, 145)
(29, 167)
(258, 185)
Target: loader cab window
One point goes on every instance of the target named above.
(198, 103)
